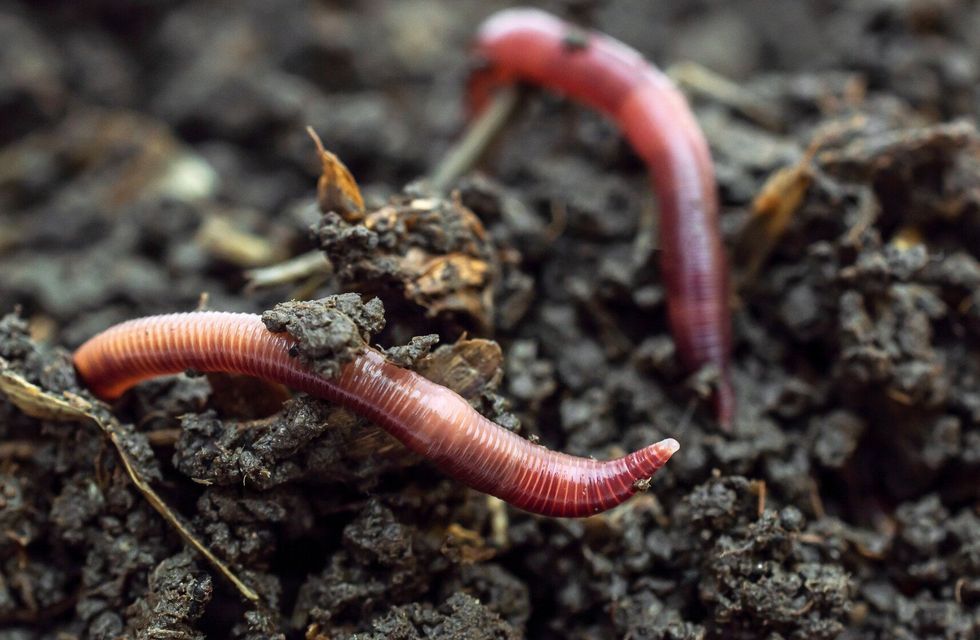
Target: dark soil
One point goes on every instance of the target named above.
(154, 151)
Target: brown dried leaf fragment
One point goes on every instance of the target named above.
(36, 403)
(430, 251)
(336, 190)
(468, 367)
(772, 211)
(453, 283)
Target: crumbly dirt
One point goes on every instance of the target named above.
(152, 153)
(329, 332)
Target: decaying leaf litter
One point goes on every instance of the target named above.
(845, 499)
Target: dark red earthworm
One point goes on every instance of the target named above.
(531, 46)
(429, 419)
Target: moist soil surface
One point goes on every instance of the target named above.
(154, 159)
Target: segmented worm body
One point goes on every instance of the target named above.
(531, 46)
(428, 418)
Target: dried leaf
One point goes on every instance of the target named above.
(38, 404)
(458, 282)
(780, 197)
(466, 367)
(337, 190)
(772, 211)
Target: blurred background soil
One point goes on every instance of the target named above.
(154, 153)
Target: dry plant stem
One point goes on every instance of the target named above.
(531, 46)
(702, 80)
(309, 264)
(427, 418)
(468, 151)
(69, 408)
(163, 509)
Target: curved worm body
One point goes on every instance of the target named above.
(429, 419)
(531, 46)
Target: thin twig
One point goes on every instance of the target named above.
(303, 266)
(38, 403)
(467, 152)
(164, 510)
(701, 80)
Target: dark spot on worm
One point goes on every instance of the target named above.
(575, 40)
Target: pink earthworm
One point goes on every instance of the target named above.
(428, 418)
(533, 47)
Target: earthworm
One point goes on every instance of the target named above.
(534, 47)
(428, 418)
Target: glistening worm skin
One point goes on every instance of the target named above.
(531, 46)
(429, 419)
